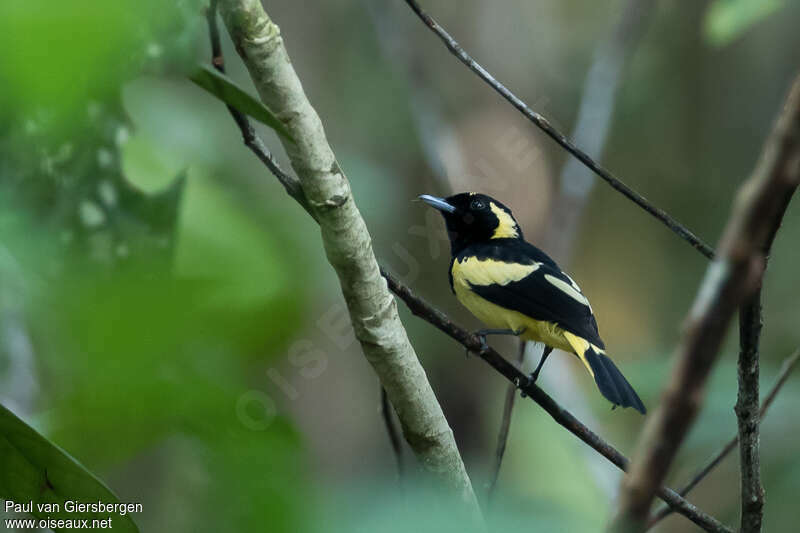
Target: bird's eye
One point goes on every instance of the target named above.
(477, 205)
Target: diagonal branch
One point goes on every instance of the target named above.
(327, 196)
(251, 140)
(543, 124)
(732, 278)
(593, 125)
(563, 417)
(783, 375)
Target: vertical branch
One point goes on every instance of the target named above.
(752, 493)
(783, 141)
(372, 309)
(783, 375)
(731, 279)
(505, 426)
(750, 324)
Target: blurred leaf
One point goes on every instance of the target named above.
(220, 242)
(728, 19)
(149, 166)
(57, 55)
(226, 90)
(140, 361)
(34, 469)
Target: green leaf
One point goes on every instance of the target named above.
(728, 19)
(226, 90)
(34, 469)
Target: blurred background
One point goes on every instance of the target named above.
(167, 315)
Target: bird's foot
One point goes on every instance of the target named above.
(483, 333)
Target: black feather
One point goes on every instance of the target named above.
(533, 295)
(612, 383)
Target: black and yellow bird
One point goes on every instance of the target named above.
(515, 288)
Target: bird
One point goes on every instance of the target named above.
(515, 288)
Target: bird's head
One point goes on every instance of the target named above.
(473, 217)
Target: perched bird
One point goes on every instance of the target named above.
(517, 289)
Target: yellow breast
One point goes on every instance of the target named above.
(474, 271)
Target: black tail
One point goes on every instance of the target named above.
(611, 382)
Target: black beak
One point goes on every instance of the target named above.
(437, 203)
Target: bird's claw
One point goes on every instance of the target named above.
(484, 345)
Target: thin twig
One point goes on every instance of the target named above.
(386, 346)
(783, 375)
(593, 124)
(391, 430)
(730, 280)
(543, 124)
(505, 425)
(563, 417)
(249, 136)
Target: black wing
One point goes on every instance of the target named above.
(546, 294)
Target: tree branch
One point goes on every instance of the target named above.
(543, 124)
(373, 310)
(783, 375)
(785, 142)
(563, 417)
(746, 408)
(730, 279)
(251, 140)
(391, 430)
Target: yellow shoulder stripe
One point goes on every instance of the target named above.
(490, 271)
(567, 289)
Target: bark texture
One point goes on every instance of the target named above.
(348, 247)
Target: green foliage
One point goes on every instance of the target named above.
(226, 90)
(33, 469)
(154, 297)
(58, 54)
(728, 19)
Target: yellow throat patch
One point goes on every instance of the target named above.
(506, 227)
